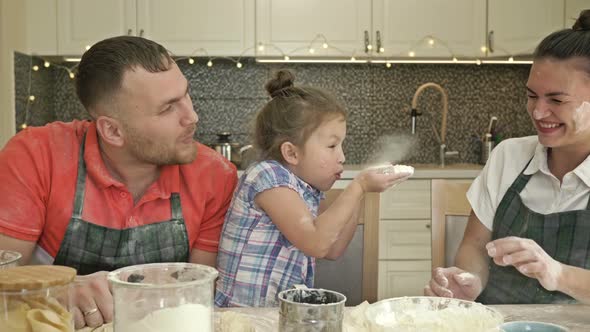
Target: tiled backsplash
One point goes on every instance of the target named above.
(377, 98)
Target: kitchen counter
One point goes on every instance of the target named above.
(573, 316)
(423, 171)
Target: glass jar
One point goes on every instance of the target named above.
(163, 297)
(311, 310)
(9, 258)
(36, 299)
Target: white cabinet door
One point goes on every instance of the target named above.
(41, 27)
(221, 27)
(404, 239)
(81, 23)
(408, 200)
(288, 27)
(517, 28)
(402, 278)
(458, 27)
(573, 9)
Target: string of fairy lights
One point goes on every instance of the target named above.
(313, 48)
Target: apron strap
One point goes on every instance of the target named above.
(80, 182)
(175, 206)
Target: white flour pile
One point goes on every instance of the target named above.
(184, 318)
(453, 319)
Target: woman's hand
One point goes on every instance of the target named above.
(528, 258)
(454, 283)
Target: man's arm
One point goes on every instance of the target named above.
(24, 247)
(203, 257)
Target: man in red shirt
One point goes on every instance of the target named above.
(130, 187)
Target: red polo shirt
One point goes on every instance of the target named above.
(38, 169)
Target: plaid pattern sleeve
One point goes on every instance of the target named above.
(255, 261)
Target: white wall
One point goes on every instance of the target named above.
(12, 37)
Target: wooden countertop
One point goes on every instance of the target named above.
(576, 317)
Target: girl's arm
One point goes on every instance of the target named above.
(316, 237)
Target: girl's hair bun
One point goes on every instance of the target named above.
(583, 21)
(282, 80)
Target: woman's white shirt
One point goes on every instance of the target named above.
(543, 193)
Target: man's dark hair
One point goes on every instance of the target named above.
(100, 72)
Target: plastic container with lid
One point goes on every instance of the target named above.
(163, 297)
(9, 258)
(36, 299)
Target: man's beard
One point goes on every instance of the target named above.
(148, 149)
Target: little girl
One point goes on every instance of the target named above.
(275, 226)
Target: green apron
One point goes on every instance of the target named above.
(89, 248)
(565, 236)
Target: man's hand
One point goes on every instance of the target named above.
(455, 283)
(93, 301)
(528, 258)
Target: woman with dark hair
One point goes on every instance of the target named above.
(528, 235)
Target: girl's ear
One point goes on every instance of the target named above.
(290, 153)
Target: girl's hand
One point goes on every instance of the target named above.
(528, 258)
(372, 180)
(454, 283)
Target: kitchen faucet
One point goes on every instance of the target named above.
(443, 127)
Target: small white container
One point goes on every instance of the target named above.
(9, 258)
(163, 297)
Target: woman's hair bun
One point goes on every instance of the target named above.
(583, 21)
(282, 80)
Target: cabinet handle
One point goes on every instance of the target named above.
(378, 41)
(491, 41)
(428, 226)
(367, 42)
(129, 32)
(141, 33)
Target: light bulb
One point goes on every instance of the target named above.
(210, 63)
(325, 45)
(87, 47)
(46, 64)
(32, 98)
(72, 75)
(239, 65)
(35, 68)
(23, 126)
(478, 62)
(381, 50)
(510, 59)
(388, 64)
(261, 47)
(455, 59)
(191, 61)
(369, 47)
(484, 49)
(286, 58)
(352, 58)
(430, 41)
(311, 50)
(411, 54)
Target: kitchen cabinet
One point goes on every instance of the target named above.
(572, 11)
(516, 29)
(185, 27)
(391, 28)
(287, 27)
(404, 239)
(457, 27)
